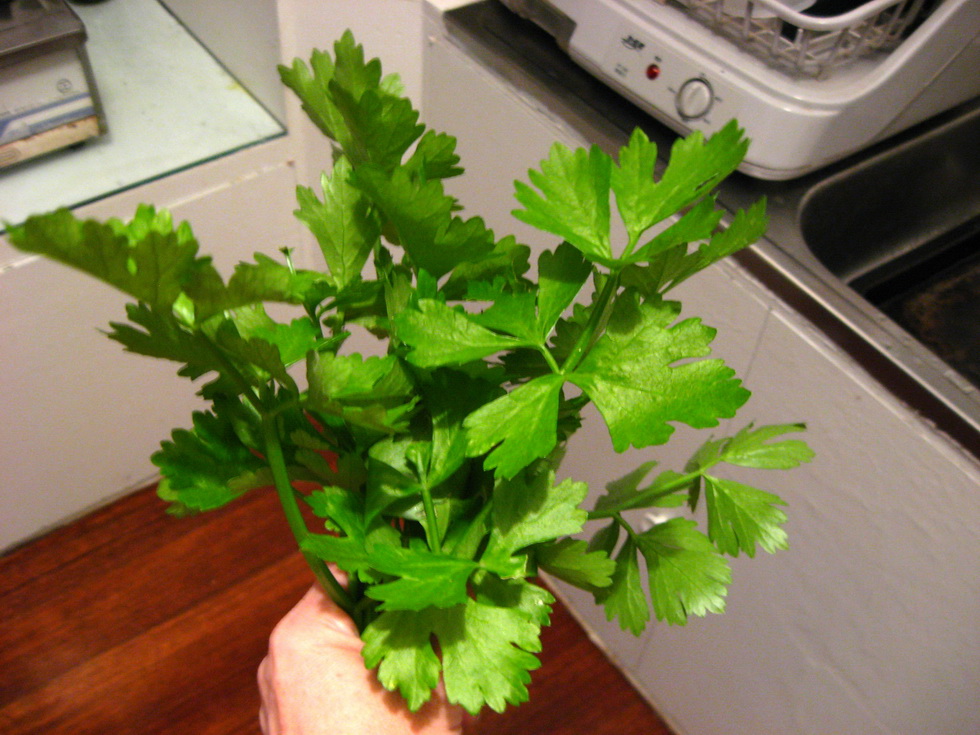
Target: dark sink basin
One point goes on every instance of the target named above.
(902, 229)
(899, 209)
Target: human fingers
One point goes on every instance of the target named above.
(314, 681)
(316, 616)
(268, 710)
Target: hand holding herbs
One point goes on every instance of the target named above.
(432, 464)
(313, 682)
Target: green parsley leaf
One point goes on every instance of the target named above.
(263, 280)
(200, 465)
(146, 258)
(351, 71)
(424, 578)
(695, 168)
(357, 541)
(511, 312)
(624, 599)
(605, 539)
(669, 489)
(487, 654)
(508, 260)
(340, 507)
(158, 333)
(631, 376)
(353, 105)
(374, 393)
(382, 127)
(519, 427)
(698, 223)
(422, 215)
(450, 397)
(487, 647)
(561, 275)
(441, 335)
(624, 489)
(634, 187)
(391, 474)
(292, 340)
(434, 157)
(311, 84)
(570, 560)
(530, 510)
(399, 644)
(257, 347)
(747, 227)
(533, 601)
(346, 552)
(343, 223)
(687, 575)
(740, 516)
(573, 202)
(751, 447)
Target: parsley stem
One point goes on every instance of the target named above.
(624, 524)
(287, 498)
(550, 359)
(634, 238)
(431, 522)
(647, 497)
(595, 319)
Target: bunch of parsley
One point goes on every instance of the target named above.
(432, 463)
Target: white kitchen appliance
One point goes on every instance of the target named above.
(808, 88)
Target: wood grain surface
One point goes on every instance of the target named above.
(130, 621)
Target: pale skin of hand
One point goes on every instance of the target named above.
(313, 682)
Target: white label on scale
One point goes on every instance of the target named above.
(41, 94)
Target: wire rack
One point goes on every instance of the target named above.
(807, 45)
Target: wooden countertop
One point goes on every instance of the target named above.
(131, 621)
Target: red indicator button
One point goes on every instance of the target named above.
(653, 71)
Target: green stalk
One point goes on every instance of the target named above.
(634, 238)
(431, 524)
(287, 498)
(618, 518)
(646, 497)
(595, 319)
(549, 358)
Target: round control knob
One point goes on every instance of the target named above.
(694, 98)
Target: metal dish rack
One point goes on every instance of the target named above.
(803, 44)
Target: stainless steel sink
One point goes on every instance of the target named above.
(872, 239)
(902, 229)
(898, 210)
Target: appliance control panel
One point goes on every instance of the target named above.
(803, 89)
(656, 76)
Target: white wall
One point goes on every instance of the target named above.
(244, 34)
